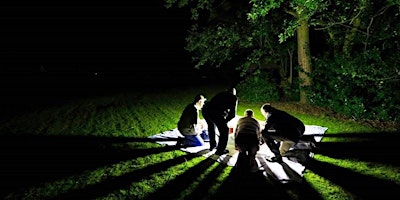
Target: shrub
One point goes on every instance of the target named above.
(359, 87)
(258, 88)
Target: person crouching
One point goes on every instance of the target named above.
(247, 141)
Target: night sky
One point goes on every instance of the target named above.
(67, 38)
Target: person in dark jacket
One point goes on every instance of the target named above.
(281, 132)
(191, 126)
(218, 112)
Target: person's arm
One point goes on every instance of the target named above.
(238, 124)
(269, 123)
(192, 120)
(258, 128)
(232, 110)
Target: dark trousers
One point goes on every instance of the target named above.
(213, 122)
(274, 147)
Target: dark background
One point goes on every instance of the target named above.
(81, 41)
(52, 52)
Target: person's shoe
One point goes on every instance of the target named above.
(212, 148)
(275, 159)
(205, 137)
(179, 142)
(313, 146)
(221, 152)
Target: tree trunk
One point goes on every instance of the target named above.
(290, 66)
(350, 36)
(304, 58)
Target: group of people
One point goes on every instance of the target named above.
(281, 131)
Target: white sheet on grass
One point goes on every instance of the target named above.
(291, 169)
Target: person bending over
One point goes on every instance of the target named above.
(281, 132)
(218, 112)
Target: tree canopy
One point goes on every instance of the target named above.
(347, 52)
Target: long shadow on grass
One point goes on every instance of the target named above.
(173, 189)
(29, 160)
(237, 184)
(258, 186)
(115, 183)
(371, 147)
(363, 186)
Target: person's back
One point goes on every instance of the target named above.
(223, 104)
(248, 132)
(285, 124)
(248, 126)
(247, 140)
(188, 120)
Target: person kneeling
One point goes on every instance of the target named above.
(247, 141)
(191, 126)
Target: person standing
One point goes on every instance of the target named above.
(281, 127)
(191, 126)
(218, 112)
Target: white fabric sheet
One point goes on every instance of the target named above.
(291, 169)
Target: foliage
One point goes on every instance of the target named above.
(299, 9)
(347, 32)
(263, 87)
(258, 89)
(213, 46)
(362, 62)
(374, 94)
(222, 35)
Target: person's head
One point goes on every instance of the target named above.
(248, 113)
(266, 109)
(199, 101)
(231, 90)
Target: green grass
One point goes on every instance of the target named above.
(94, 148)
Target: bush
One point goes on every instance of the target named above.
(359, 87)
(258, 88)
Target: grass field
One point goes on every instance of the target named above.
(95, 146)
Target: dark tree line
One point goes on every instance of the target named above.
(337, 54)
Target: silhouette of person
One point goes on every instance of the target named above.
(282, 128)
(218, 112)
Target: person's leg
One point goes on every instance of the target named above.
(271, 144)
(242, 161)
(205, 136)
(211, 130)
(223, 136)
(192, 141)
(285, 146)
(271, 140)
(252, 154)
